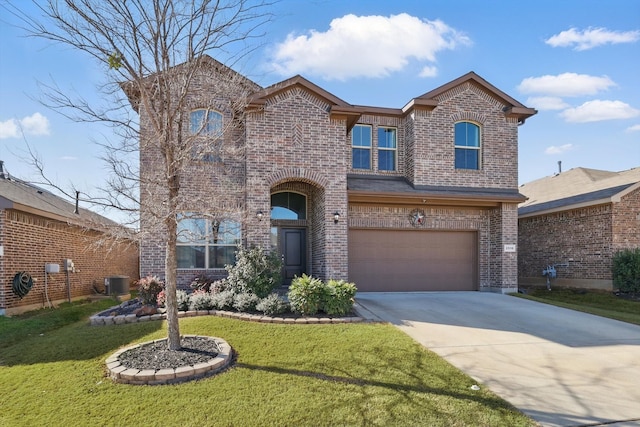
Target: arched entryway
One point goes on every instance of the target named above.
(289, 232)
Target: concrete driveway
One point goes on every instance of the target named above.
(560, 367)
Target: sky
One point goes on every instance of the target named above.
(576, 61)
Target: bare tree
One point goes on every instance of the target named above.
(155, 55)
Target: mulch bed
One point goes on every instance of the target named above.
(156, 355)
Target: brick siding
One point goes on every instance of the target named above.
(31, 241)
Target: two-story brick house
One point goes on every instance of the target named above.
(422, 197)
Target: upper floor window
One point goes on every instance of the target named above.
(467, 145)
(206, 243)
(361, 147)
(387, 143)
(288, 205)
(205, 122)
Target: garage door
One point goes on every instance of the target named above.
(393, 260)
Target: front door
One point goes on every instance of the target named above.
(293, 248)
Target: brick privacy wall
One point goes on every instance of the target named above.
(367, 216)
(433, 145)
(294, 140)
(32, 241)
(626, 222)
(581, 238)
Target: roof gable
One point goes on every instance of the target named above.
(513, 108)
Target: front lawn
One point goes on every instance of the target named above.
(598, 303)
(285, 375)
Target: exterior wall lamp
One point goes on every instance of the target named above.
(259, 215)
(336, 217)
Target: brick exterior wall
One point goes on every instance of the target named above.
(581, 238)
(433, 136)
(294, 140)
(626, 221)
(31, 241)
(584, 239)
(292, 143)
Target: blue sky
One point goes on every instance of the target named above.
(576, 61)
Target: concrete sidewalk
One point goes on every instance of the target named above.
(561, 367)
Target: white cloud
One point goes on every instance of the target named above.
(428, 71)
(634, 128)
(597, 110)
(566, 84)
(547, 103)
(366, 46)
(68, 158)
(35, 124)
(558, 149)
(9, 129)
(591, 37)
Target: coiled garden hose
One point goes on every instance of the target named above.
(22, 283)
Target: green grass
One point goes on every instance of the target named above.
(285, 375)
(598, 303)
(34, 323)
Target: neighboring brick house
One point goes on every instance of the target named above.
(39, 228)
(577, 220)
(422, 197)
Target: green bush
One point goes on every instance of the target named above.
(245, 302)
(256, 271)
(182, 300)
(272, 304)
(626, 270)
(338, 297)
(201, 300)
(306, 295)
(148, 289)
(223, 300)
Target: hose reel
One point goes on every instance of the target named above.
(22, 283)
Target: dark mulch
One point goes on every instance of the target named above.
(157, 355)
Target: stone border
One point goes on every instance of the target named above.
(124, 375)
(98, 320)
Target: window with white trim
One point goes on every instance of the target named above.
(361, 147)
(467, 145)
(206, 243)
(387, 148)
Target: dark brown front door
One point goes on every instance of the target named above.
(293, 250)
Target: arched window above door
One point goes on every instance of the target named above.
(288, 205)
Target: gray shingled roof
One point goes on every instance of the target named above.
(401, 186)
(576, 186)
(17, 192)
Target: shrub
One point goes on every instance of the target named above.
(626, 270)
(256, 271)
(272, 304)
(306, 294)
(182, 300)
(223, 300)
(161, 299)
(245, 302)
(202, 283)
(148, 289)
(338, 297)
(201, 300)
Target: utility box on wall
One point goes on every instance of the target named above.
(116, 285)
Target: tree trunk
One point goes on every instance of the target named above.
(173, 335)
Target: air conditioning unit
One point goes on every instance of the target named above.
(116, 285)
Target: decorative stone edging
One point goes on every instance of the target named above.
(98, 320)
(124, 375)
